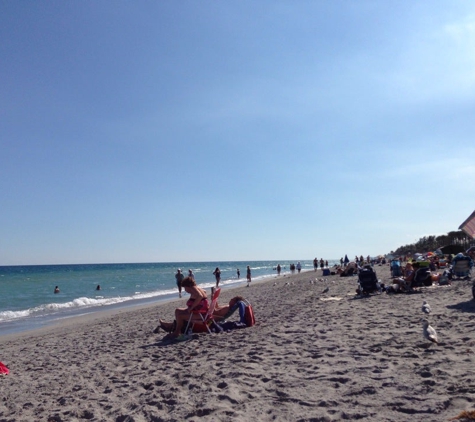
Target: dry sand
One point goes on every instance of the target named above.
(311, 357)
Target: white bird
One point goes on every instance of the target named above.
(425, 307)
(429, 332)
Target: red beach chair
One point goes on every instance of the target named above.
(205, 316)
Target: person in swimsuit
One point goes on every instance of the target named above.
(217, 275)
(220, 312)
(198, 301)
(179, 278)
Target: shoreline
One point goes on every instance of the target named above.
(86, 315)
(27, 316)
(311, 356)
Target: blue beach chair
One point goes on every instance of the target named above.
(461, 266)
(396, 268)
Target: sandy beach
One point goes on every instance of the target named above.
(310, 357)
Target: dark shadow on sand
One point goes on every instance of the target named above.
(468, 306)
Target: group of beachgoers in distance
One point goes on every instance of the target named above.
(179, 277)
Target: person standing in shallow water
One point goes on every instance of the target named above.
(179, 278)
(238, 273)
(217, 275)
(248, 275)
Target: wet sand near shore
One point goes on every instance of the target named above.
(311, 356)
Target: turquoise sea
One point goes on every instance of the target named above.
(27, 300)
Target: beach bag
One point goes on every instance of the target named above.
(228, 326)
(249, 319)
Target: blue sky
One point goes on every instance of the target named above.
(232, 130)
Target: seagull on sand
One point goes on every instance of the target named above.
(426, 308)
(429, 332)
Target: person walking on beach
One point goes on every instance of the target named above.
(238, 273)
(299, 267)
(279, 268)
(191, 275)
(217, 275)
(248, 275)
(315, 264)
(179, 278)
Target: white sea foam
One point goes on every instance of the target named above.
(81, 302)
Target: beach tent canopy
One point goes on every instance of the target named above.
(452, 249)
(468, 226)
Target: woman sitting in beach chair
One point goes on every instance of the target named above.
(198, 301)
(220, 313)
(404, 284)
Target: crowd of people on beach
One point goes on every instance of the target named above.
(418, 271)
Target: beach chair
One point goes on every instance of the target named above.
(396, 268)
(367, 280)
(461, 266)
(203, 317)
(422, 277)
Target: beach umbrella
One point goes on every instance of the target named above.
(468, 226)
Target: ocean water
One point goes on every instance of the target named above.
(27, 300)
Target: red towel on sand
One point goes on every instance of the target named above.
(3, 369)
